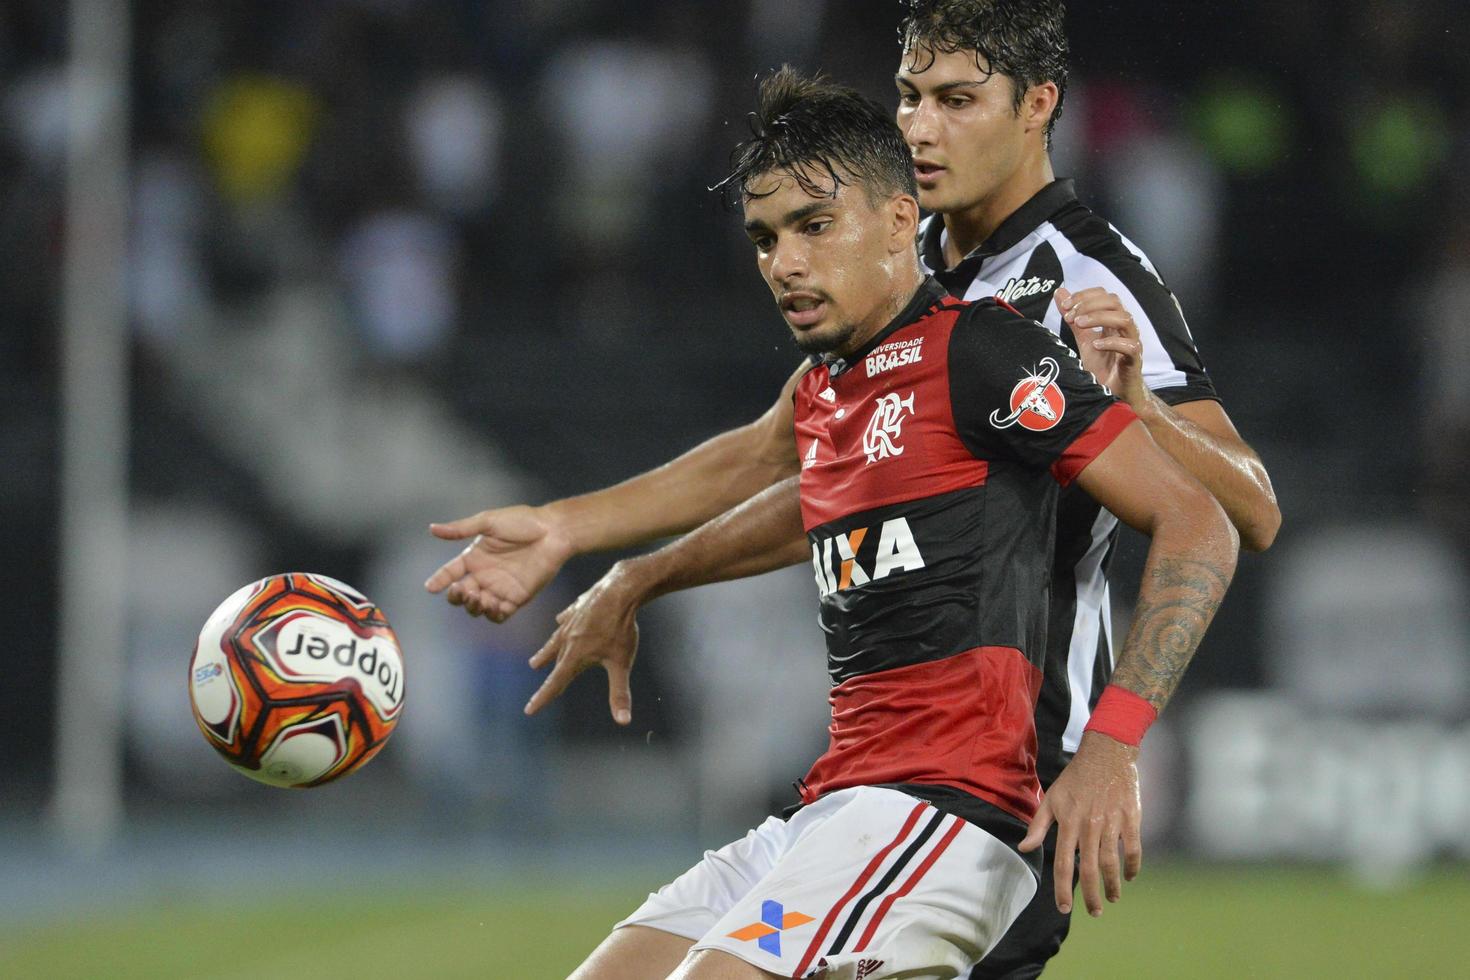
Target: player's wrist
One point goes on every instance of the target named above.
(1122, 716)
(639, 579)
(566, 534)
(1145, 404)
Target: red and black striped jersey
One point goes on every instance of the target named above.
(1053, 240)
(931, 465)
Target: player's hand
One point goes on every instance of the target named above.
(599, 628)
(515, 552)
(1107, 340)
(1095, 805)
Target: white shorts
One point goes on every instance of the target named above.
(864, 883)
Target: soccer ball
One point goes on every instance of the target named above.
(296, 680)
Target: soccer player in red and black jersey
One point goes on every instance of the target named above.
(934, 436)
(980, 84)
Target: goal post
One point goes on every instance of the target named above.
(86, 805)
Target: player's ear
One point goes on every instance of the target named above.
(903, 213)
(1039, 105)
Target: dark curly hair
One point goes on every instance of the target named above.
(815, 131)
(1022, 39)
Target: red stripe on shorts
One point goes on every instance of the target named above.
(908, 886)
(857, 886)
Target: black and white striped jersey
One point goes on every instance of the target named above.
(1050, 241)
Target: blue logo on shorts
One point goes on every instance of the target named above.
(767, 932)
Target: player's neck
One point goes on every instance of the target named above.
(904, 288)
(968, 228)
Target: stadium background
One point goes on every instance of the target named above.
(393, 261)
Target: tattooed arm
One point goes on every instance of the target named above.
(1094, 802)
(1190, 561)
(1178, 599)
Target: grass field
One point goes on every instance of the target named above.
(1175, 922)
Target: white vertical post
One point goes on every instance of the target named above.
(86, 807)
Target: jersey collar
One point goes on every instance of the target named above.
(929, 293)
(1023, 221)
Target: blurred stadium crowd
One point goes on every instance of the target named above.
(396, 260)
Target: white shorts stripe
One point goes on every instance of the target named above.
(865, 881)
(874, 899)
(944, 839)
(867, 874)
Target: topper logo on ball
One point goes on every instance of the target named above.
(313, 648)
(346, 655)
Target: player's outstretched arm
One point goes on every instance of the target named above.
(514, 551)
(1198, 434)
(1191, 560)
(600, 628)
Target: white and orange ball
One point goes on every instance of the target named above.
(297, 680)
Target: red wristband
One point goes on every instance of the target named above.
(1122, 715)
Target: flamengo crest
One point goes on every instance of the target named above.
(1036, 401)
(880, 440)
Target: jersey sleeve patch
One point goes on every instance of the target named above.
(1090, 444)
(1017, 392)
(1037, 403)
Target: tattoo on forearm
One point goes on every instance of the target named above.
(1175, 607)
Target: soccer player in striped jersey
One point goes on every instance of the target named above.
(928, 508)
(980, 83)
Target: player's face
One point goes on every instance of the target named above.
(826, 258)
(961, 126)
